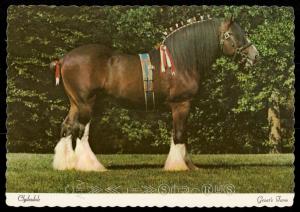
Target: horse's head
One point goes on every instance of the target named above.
(234, 42)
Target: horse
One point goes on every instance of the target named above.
(84, 70)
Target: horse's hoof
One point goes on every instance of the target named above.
(176, 169)
(192, 166)
(176, 166)
(182, 166)
(63, 167)
(90, 168)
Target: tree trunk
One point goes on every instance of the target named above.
(274, 126)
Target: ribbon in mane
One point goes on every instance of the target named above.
(166, 60)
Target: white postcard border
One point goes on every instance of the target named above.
(151, 200)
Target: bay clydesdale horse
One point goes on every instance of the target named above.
(193, 47)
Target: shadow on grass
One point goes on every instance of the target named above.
(201, 166)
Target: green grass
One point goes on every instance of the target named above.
(270, 173)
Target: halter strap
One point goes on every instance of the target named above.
(237, 51)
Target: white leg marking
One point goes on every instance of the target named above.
(86, 159)
(176, 158)
(64, 157)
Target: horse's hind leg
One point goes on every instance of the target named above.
(76, 127)
(64, 157)
(86, 159)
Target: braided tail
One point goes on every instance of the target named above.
(55, 66)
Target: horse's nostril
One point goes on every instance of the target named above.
(256, 58)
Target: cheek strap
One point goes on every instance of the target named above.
(225, 36)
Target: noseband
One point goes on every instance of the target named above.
(237, 51)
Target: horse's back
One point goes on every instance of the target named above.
(91, 53)
(94, 66)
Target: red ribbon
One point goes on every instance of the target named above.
(165, 55)
(57, 71)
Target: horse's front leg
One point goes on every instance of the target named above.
(178, 159)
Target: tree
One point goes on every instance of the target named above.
(230, 113)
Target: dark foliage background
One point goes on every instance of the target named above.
(230, 114)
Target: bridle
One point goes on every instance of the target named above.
(237, 51)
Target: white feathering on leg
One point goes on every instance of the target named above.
(64, 157)
(86, 159)
(176, 158)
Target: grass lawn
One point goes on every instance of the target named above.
(265, 173)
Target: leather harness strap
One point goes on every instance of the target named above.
(147, 69)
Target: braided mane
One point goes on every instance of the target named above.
(194, 46)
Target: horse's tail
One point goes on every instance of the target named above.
(55, 66)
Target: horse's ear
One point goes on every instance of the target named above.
(231, 19)
(229, 22)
